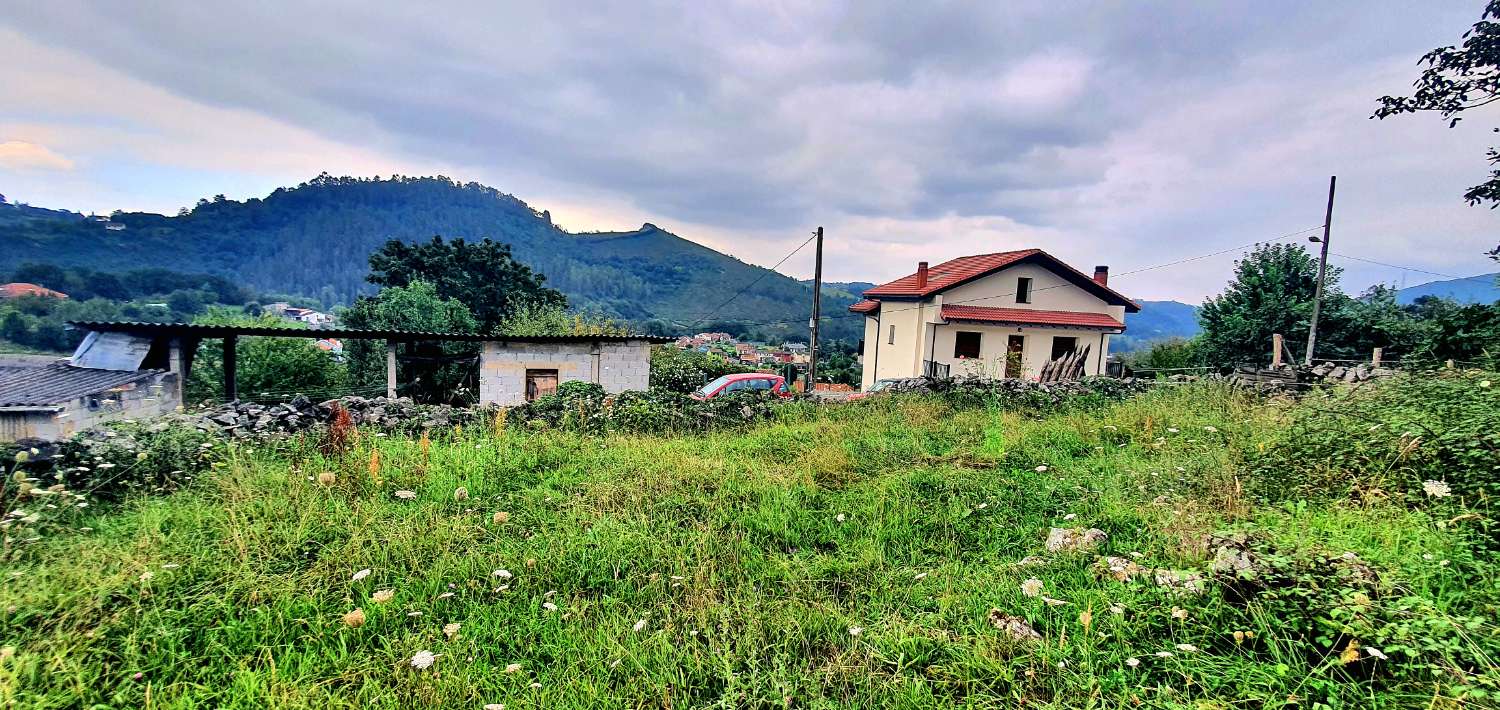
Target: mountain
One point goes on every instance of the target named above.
(315, 240)
(1474, 289)
(1158, 320)
(850, 289)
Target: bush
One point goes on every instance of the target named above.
(1394, 437)
(583, 407)
(1024, 395)
(676, 370)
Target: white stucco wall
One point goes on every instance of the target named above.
(921, 335)
(616, 366)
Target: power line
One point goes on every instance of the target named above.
(1221, 252)
(757, 280)
(1396, 266)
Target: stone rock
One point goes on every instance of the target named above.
(1074, 539)
(1119, 568)
(1013, 626)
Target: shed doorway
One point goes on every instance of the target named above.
(540, 383)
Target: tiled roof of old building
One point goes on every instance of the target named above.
(864, 306)
(59, 382)
(964, 269)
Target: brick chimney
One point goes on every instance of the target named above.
(921, 274)
(1101, 275)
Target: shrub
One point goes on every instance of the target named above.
(677, 370)
(585, 408)
(1025, 395)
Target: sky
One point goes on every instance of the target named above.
(1128, 134)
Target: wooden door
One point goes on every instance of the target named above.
(1014, 361)
(540, 383)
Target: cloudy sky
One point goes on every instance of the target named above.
(1130, 134)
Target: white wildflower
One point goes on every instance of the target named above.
(494, 706)
(423, 660)
(921, 576)
(170, 565)
(1375, 652)
(406, 495)
(1041, 469)
(1032, 587)
(856, 630)
(414, 614)
(549, 606)
(1163, 654)
(445, 595)
(1117, 609)
(513, 668)
(639, 625)
(1179, 613)
(1436, 489)
(146, 576)
(451, 630)
(1070, 516)
(360, 575)
(1054, 602)
(1132, 662)
(461, 493)
(1171, 430)
(502, 573)
(840, 518)
(1210, 428)
(382, 596)
(1187, 647)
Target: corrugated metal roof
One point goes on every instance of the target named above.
(195, 330)
(60, 382)
(1029, 316)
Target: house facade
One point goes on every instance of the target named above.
(990, 315)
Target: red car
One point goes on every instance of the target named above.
(744, 382)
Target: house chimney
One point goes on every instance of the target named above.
(921, 274)
(1101, 275)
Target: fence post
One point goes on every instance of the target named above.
(1275, 350)
(1375, 357)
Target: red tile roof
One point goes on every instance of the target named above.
(950, 273)
(864, 306)
(1029, 316)
(968, 268)
(19, 288)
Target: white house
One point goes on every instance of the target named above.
(993, 315)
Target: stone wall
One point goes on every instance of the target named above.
(617, 366)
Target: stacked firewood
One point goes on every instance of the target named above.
(1067, 367)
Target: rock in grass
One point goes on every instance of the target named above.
(1074, 539)
(1119, 568)
(1013, 626)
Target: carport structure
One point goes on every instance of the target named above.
(617, 362)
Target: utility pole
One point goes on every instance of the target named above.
(1312, 327)
(812, 349)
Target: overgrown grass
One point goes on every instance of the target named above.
(839, 557)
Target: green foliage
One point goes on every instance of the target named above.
(416, 306)
(1391, 440)
(1169, 354)
(1028, 396)
(554, 319)
(1272, 292)
(481, 275)
(584, 408)
(1456, 80)
(267, 369)
(683, 371)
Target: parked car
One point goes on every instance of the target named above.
(744, 382)
(879, 386)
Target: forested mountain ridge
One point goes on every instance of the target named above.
(315, 240)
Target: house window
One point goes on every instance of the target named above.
(1062, 346)
(1023, 290)
(966, 345)
(891, 339)
(540, 383)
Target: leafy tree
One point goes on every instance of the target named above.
(1272, 292)
(416, 307)
(1169, 354)
(481, 275)
(1457, 80)
(534, 319)
(678, 370)
(266, 368)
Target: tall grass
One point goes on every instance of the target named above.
(838, 557)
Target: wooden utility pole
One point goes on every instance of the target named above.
(817, 312)
(1312, 327)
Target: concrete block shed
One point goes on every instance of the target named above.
(514, 372)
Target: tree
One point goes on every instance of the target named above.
(266, 368)
(529, 319)
(482, 276)
(416, 307)
(1457, 80)
(1272, 292)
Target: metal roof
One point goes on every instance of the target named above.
(60, 382)
(196, 330)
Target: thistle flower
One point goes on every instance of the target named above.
(1032, 587)
(382, 596)
(327, 478)
(423, 660)
(355, 619)
(1436, 489)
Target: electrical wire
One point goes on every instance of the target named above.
(1396, 266)
(757, 280)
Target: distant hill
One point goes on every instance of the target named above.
(851, 289)
(315, 240)
(1158, 320)
(1474, 289)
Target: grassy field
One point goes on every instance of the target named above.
(846, 557)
